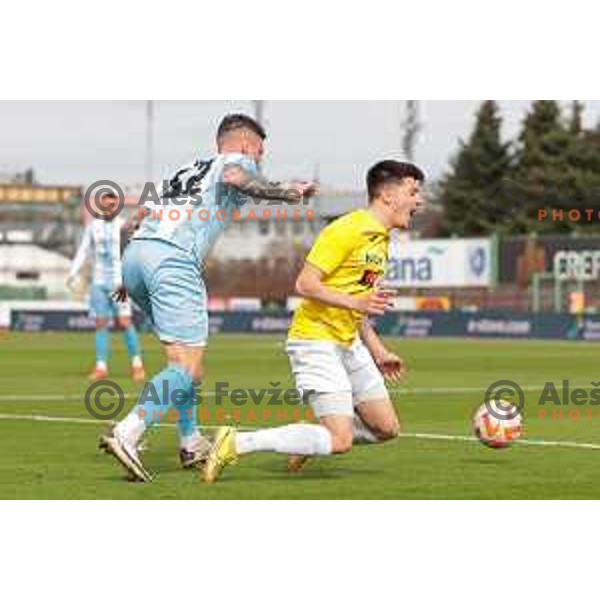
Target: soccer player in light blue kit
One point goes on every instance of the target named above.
(101, 245)
(162, 273)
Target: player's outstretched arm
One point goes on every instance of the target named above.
(392, 366)
(310, 285)
(258, 186)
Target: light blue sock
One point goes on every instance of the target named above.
(187, 424)
(102, 345)
(132, 342)
(156, 399)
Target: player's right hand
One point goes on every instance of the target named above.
(375, 304)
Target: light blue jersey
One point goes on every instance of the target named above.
(101, 245)
(196, 207)
(162, 266)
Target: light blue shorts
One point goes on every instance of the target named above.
(104, 306)
(167, 286)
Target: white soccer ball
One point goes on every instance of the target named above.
(498, 425)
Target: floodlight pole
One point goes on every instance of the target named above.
(149, 140)
(259, 111)
(259, 114)
(411, 127)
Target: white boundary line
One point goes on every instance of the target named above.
(534, 442)
(211, 394)
(50, 397)
(418, 436)
(80, 420)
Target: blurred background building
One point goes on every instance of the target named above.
(491, 187)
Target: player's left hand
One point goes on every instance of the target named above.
(121, 294)
(391, 366)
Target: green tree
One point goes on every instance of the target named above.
(544, 171)
(476, 177)
(584, 160)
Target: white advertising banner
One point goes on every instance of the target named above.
(440, 263)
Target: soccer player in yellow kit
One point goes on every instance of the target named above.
(333, 349)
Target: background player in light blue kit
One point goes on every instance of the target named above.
(101, 246)
(162, 272)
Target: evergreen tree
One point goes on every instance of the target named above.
(555, 167)
(546, 167)
(584, 160)
(469, 191)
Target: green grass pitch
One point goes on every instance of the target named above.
(43, 375)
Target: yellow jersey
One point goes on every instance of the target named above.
(352, 252)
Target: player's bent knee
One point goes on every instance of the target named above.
(189, 359)
(196, 373)
(387, 430)
(123, 323)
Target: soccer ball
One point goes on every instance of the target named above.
(499, 425)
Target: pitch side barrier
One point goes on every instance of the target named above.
(485, 324)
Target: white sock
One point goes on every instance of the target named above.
(101, 366)
(361, 433)
(298, 438)
(131, 428)
(136, 362)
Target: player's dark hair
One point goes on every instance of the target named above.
(391, 171)
(237, 122)
(109, 194)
